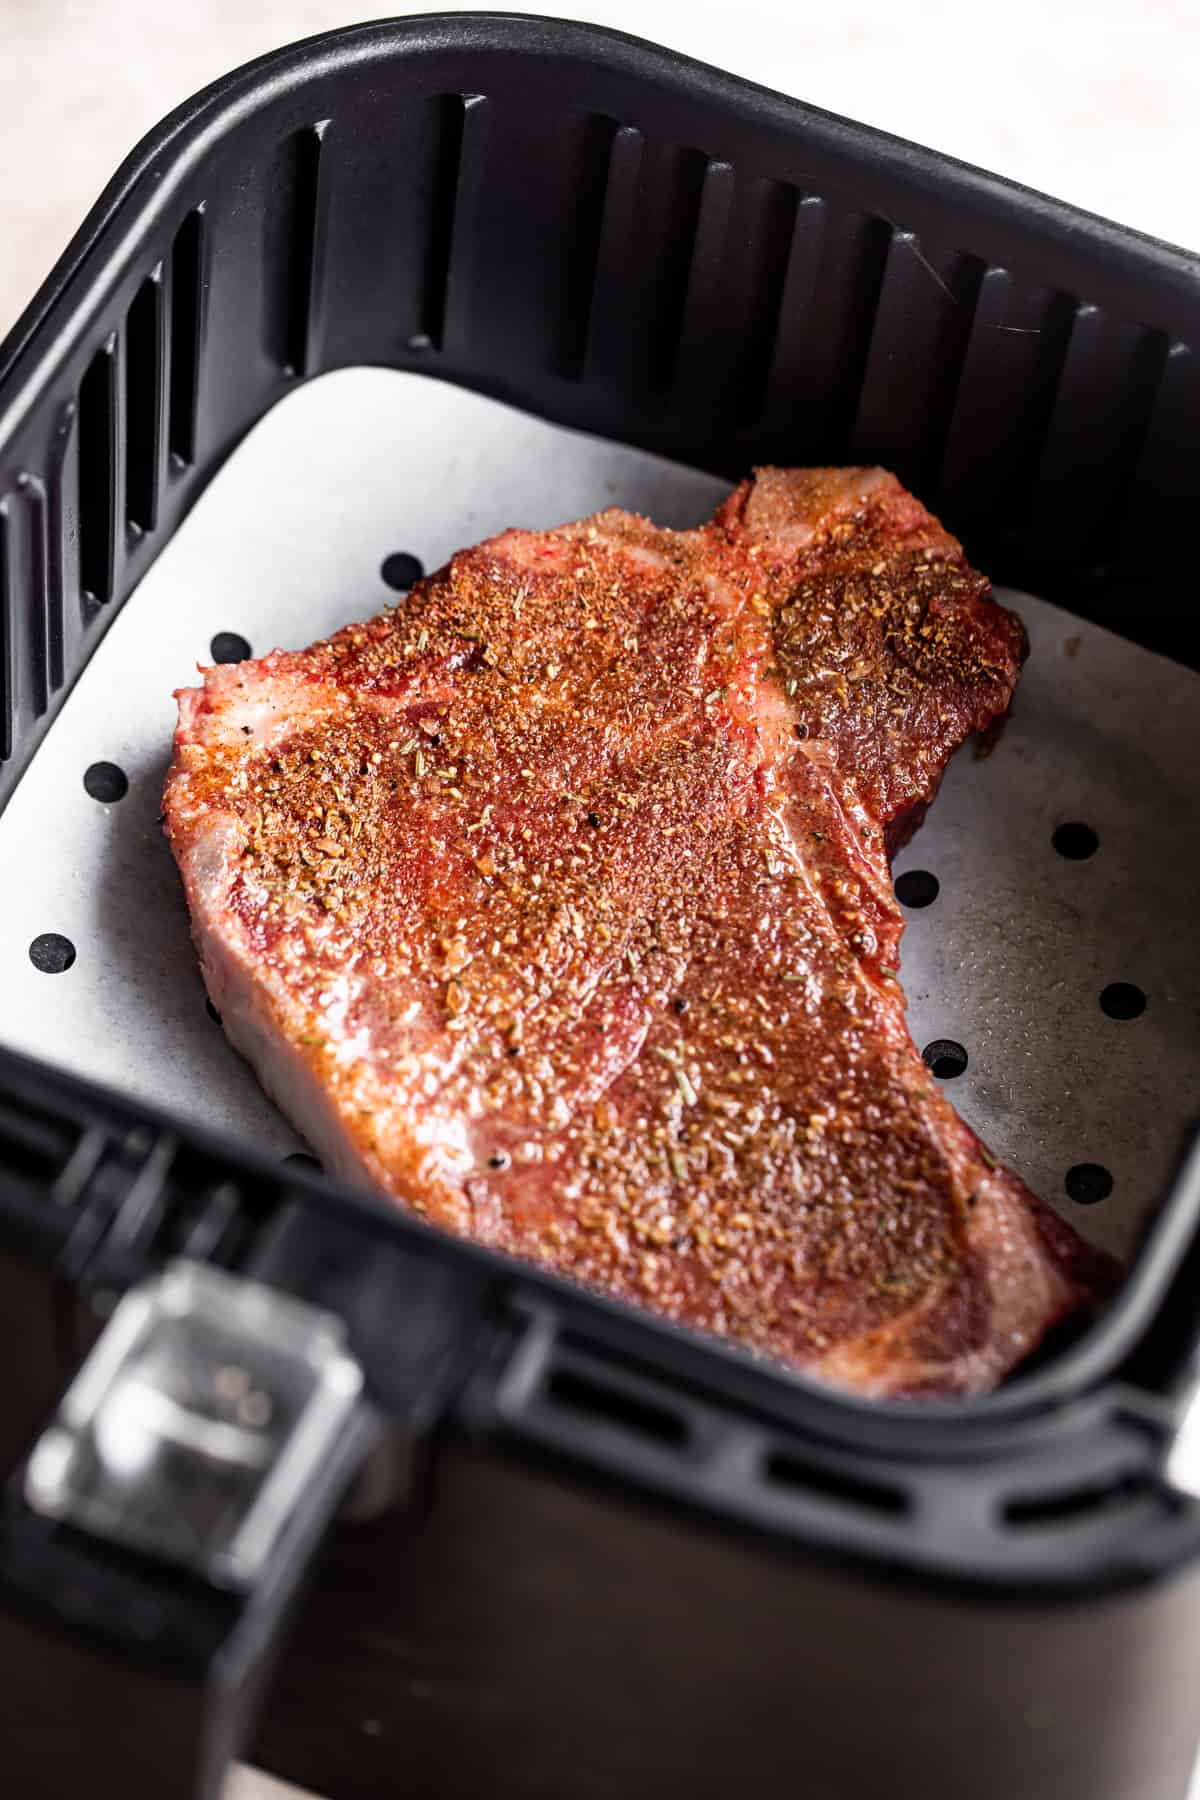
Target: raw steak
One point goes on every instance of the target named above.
(555, 902)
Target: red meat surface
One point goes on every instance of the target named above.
(555, 903)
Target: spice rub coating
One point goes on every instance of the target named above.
(555, 903)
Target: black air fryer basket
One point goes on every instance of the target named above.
(583, 1554)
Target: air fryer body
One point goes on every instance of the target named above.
(709, 1578)
(535, 1639)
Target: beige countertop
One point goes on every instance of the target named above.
(1095, 101)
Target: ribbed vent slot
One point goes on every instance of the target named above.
(66, 607)
(672, 218)
(588, 188)
(1156, 531)
(210, 1231)
(187, 265)
(7, 697)
(1066, 1505)
(1166, 480)
(1147, 373)
(918, 340)
(609, 1404)
(765, 253)
(699, 355)
(1110, 376)
(33, 1144)
(290, 231)
(144, 370)
(647, 249)
(835, 272)
(1167, 475)
(98, 474)
(397, 226)
(607, 346)
(789, 354)
(1010, 374)
(44, 630)
(784, 1469)
(734, 295)
(451, 118)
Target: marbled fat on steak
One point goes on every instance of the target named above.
(555, 903)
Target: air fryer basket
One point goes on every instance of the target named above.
(616, 1558)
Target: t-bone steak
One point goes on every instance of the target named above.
(555, 903)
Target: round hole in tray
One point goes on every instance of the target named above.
(229, 647)
(402, 570)
(1075, 841)
(946, 1057)
(52, 953)
(917, 887)
(1122, 1000)
(105, 782)
(211, 1010)
(1086, 1183)
(300, 1159)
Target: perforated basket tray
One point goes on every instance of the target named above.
(623, 244)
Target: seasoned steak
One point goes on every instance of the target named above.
(555, 903)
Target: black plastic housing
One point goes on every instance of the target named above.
(626, 1561)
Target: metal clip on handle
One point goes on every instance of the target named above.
(163, 1523)
(272, 1356)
